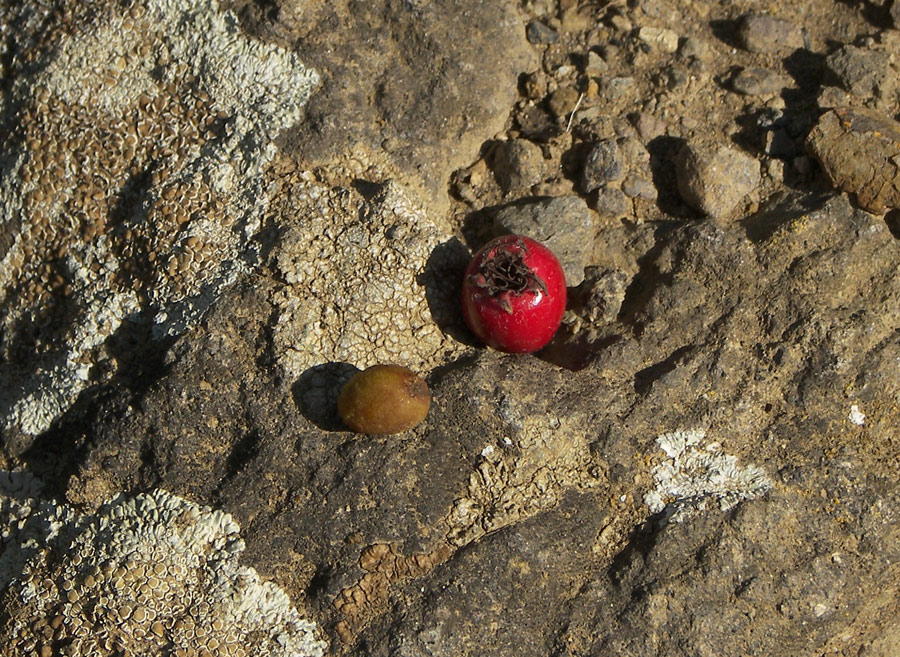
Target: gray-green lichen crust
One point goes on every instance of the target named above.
(131, 182)
(151, 574)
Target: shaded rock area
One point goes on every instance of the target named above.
(704, 460)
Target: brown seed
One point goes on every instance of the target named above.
(384, 399)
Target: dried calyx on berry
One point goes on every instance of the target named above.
(514, 294)
(503, 273)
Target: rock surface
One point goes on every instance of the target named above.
(703, 461)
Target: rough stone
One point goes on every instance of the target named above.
(604, 164)
(864, 72)
(413, 537)
(564, 225)
(714, 180)
(518, 164)
(540, 33)
(376, 294)
(658, 39)
(703, 462)
(610, 202)
(138, 189)
(860, 151)
(757, 81)
(421, 96)
(766, 34)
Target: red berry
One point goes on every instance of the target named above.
(514, 294)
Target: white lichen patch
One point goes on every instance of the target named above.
(132, 180)
(856, 416)
(368, 281)
(151, 574)
(696, 475)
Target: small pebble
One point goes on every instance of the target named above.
(611, 202)
(604, 164)
(562, 102)
(594, 64)
(767, 34)
(694, 48)
(775, 170)
(603, 292)
(615, 88)
(637, 187)
(535, 85)
(658, 39)
(758, 82)
(563, 224)
(648, 126)
(518, 164)
(714, 179)
(535, 124)
(634, 154)
(620, 23)
(677, 77)
(539, 33)
(833, 97)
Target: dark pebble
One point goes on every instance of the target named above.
(763, 33)
(604, 164)
(539, 33)
(758, 82)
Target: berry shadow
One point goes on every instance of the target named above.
(316, 391)
(442, 279)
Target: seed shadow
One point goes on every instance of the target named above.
(316, 391)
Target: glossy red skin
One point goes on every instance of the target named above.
(535, 316)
